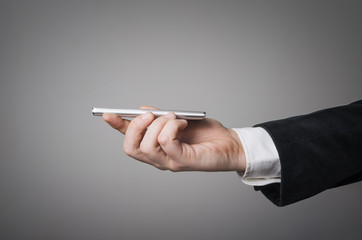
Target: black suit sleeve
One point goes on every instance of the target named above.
(317, 151)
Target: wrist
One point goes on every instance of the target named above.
(238, 153)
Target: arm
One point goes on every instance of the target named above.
(317, 151)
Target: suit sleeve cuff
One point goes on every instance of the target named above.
(262, 159)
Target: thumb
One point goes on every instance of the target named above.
(116, 122)
(149, 107)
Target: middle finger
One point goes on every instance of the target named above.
(149, 144)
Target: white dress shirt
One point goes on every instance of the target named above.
(262, 158)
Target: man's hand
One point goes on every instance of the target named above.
(179, 145)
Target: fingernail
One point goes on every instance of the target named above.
(170, 115)
(146, 116)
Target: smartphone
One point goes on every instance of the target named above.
(132, 113)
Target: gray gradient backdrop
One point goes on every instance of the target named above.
(63, 174)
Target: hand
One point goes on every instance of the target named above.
(179, 145)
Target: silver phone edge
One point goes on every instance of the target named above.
(132, 113)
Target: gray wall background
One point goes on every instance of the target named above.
(63, 174)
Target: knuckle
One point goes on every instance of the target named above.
(146, 148)
(127, 149)
(174, 167)
(160, 167)
(163, 139)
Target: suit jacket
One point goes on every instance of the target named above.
(317, 151)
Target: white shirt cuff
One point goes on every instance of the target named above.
(262, 158)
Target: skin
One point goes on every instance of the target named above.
(174, 144)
